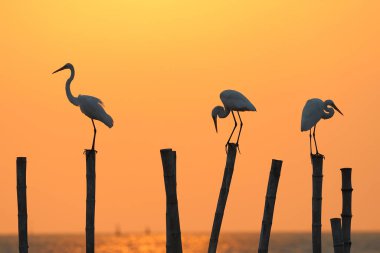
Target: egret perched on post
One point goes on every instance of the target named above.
(232, 101)
(314, 110)
(92, 107)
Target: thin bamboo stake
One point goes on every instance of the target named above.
(90, 200)
(270, 201)
(346, 208)
(223, 194)
(317, 162)
(173, 229)
(22, 205)
(337, 235)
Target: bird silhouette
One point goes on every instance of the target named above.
(232, 101)
(90, 106)
(314, 110)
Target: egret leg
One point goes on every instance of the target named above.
(233, 130)
(241, 127)
(315, 141)
(311, 150)
(93, 140)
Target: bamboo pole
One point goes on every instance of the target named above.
(223, 194)
(173, 229)
(22, 205)
(317, 162)
(90, 200)
(346, 208)
(270, 200)
(337, 235)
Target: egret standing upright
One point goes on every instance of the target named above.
(92, 107)
(232, 101)
(314, 110)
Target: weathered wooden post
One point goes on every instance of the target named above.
(223, 194)
(270, 200)
(346, 208)
(317, 162)
(90, 200)
(173, 229)
(22, 205)
(337, 235)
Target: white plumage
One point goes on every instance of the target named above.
(315, 110)
(232, 101)
(91, 106)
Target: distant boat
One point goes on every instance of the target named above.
(147, 231)
(118, 230)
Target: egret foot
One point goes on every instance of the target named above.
(93, 150)
(237, 145)
(320, 155)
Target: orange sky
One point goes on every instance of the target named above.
(159, 66)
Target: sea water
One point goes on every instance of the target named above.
(192, 243)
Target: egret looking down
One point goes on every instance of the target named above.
(314, 110)
(92, 107)
(232, 101)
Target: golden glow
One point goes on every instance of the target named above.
(159, 66)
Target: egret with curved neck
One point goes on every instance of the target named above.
(91, 106)
(314, 110)
(232, 101)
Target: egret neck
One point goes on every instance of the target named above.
(221, 112)
(72, 99)
(328, 112)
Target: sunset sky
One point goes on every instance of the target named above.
(159, 67)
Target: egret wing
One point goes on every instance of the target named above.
(234, 100)
(94, 108)
(311, 113)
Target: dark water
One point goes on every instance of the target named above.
(192, 243)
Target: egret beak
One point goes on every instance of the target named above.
(336, 108)
(64, 67)
(216, 124)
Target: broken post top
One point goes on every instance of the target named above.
(164, 150)
(21, 159)
(336, 227)
(168, 157)
(276, 168)
(21, 171)
(277, 162)
(90, 151)
(317, 161)
(232, 147)
(316, 156)
(335, 220)
(346, 178)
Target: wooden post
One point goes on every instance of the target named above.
(90, 200)
(337, 235)
(223, 194)
(346, 208)
(317, 162)
(270, 200)
(22, 205)
(173, 229)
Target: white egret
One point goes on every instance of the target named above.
(314, 110)
(92, 107)
(232, 101)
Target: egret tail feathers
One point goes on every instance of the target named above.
(108, 121)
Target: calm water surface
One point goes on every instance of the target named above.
(192, 243)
